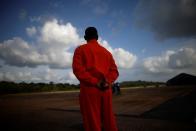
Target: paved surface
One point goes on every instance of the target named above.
(60, 111)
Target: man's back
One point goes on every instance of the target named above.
(95, 59)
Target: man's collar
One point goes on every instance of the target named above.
(92, 41)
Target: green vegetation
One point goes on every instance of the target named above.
(11, 87)
(140, 83)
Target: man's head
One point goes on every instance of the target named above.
(91, 33)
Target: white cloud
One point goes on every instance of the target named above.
(54, 33)
(181, 60)
(70, 78)
(31, 31)
(158, 64)
(123, 58)
(16, 76)
(51, 48)
(40, 74)
(18, 52)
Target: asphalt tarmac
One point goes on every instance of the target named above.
(137, 109)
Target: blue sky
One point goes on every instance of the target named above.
(150, 40)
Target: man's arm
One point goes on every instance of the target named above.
(79, 69)
(113, 72)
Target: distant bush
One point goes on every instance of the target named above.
(140, 83)
(11, 87)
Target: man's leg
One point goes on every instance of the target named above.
(90, 105)
(109, 121)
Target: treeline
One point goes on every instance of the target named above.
(140, 83)
(12, 87)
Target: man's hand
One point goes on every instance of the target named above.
(103, 85)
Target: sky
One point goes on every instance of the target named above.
(150, 40)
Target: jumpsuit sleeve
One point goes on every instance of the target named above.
(113, 72)
(79, 69)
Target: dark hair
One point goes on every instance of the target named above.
(91, 33)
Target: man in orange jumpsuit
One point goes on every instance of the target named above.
(96, 70)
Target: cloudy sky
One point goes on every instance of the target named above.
(150, 40)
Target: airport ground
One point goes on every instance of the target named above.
(136, 109)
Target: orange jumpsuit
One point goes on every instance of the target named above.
(91, 63)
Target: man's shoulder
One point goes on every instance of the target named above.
(80, 46)
(105, 49)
